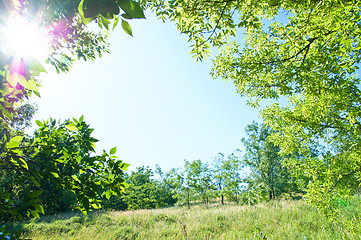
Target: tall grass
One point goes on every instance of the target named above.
(272, 220)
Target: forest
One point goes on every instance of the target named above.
(297, 62)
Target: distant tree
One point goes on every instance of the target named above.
(227, 176)
(22, 117)
(268, 177)
(198, 178)
(169, 184)
(176, 181)
(144, 192)
(141, 193)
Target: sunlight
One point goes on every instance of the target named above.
(20, 38)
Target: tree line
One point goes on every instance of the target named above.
(259, 174)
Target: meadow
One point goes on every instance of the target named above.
(292, 219)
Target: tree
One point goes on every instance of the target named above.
(168, 187)
(306, 52)
(144, 192)
(174, 180)
(198, 179)
(226, 174)
(59, 155)
(63, 153)
(269, 177)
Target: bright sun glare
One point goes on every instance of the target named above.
(22, 38)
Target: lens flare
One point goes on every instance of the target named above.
(20, 38)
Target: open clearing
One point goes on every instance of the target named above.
(272, 220)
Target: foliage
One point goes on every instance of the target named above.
(304, 52)
(65, 23)
(144, 192)
(269, 177)
(60, 154)
(54, 199)
(174, 181)
(309, 55)
(198, 179)
(60, 157)
(192, 183)
(227, 176)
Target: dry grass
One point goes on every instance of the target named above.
(273, 220)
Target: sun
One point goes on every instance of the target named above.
(21, 38)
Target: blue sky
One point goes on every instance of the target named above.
(149, 98)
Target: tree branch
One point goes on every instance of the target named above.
(341, 178)
(217, 24)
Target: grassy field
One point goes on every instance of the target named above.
(272, 220)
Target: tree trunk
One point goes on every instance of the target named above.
(188, 202)
(271, 194)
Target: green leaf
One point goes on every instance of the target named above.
(116, 20)
(23, 163)
(54, 174)
(84, 211)
(126, 27)
(17, 138)
(36, 93)
(30, 84)
(108, 194)
(109, 9)
(86, 20)
(15, 78)
(71, 127)
(131, 8)
(12, 144)
(125, 166)
(35, 214)
(105, 22)
(39, 208)
(96, 205)
(126, 16)
(113, 150)
(34, 65)
(75, 121)
(39, 123)
(35, 193)
(14, 162)
(5, 112)
(81, 118)
(35, 181)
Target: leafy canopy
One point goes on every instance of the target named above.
(62, 153)
(305, 52)
(65, 25)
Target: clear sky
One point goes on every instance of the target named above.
(149, 98)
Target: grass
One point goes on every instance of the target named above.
(272, 220)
